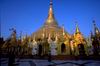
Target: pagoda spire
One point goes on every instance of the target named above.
(50, 15)
(63, 29)
(91, 35)
(51, 19)
(13, 35)
(34, 38)
(43, 35)
(77, 28)
(20, 37)
(96, 30)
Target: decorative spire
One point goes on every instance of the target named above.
(91, 35)
(77, 28)
(50, 19)
(20, 34)
(34, 38)
(95, 28)
(50, 16)
(51, 3)
(13, 35)
(63, 29)
(26, 37)
(43, 33)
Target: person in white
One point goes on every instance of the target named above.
(34, 47)
(53, 47)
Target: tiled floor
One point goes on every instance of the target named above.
(32, 62)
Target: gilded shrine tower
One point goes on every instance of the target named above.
(50, 27)
(51, 31)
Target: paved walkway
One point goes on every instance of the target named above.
(32, 62)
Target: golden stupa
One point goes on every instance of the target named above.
(50, 27)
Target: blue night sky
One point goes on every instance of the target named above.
(29, 15)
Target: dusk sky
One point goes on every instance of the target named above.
(29, 15)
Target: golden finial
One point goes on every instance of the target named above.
(50, 10)
(50, 2)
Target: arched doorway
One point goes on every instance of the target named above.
(81, 49)
(39, 49)
(46, 48)
(63, 48)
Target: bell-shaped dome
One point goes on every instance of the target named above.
(50, 21)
